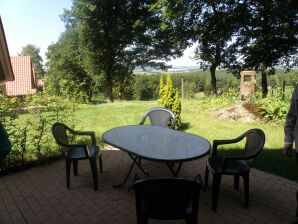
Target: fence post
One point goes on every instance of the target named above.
(283, 86)
(283, 89)
(182, 88)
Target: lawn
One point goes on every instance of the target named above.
(101, 117)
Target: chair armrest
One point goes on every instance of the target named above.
(70, 145)
(84, 146)
(89, 133)
(224, 142)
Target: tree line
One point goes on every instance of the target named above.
(191, 84)
(105, 40)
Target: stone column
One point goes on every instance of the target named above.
(247, 84)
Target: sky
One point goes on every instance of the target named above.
(38, 22)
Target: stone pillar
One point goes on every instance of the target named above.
(247, 84)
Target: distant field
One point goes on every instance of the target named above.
(104, 116)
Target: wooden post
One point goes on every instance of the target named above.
(283, 89)
(182, 88)
(283, 86)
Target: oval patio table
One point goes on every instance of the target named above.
(156, 144)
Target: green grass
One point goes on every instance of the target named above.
(104, 116)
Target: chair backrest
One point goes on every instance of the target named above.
(160, 117)
(59, 132)
(255, 140)
(166, 198)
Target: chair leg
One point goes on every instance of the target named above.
(206, 178)
(100, 162)
(297, 204)
(236, 182)
(94, 173)
(144, 220)
(215, 190)
(189, 221)
(192, 220)
(141, 219)
(75, 167)
(246, 188)
(68, 165)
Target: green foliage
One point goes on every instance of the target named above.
(269, 35)
(273, 108)
(146, 87)
(214, 102)
(169, 98)
(67, 76)
(33, 51)
(29, 123)
(201, 123)
(189, 89)
(117, 36)
(211, 24)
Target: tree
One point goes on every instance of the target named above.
(66, 74)
(219, 25)
(212, 24)
(33, 51)
(269, 37)
(118, 36)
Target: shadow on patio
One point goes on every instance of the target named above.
(39, 195)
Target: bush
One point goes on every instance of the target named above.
(169, 98)
(214, 102)
(29, 124)
(273, 108)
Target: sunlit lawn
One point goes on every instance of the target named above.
(101, 117)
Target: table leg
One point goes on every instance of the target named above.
(127, 175)
(138, 164)
(135, 161)
(174, 172)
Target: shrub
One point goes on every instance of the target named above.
(169, 98)
(214, 102)
(29, 125)
(273, 108)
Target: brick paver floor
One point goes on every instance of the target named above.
(39, 195)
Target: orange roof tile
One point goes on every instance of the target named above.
(25, 82)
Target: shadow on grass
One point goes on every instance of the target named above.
(272, 161)
(184, 126)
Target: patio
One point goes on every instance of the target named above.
(39, 195)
